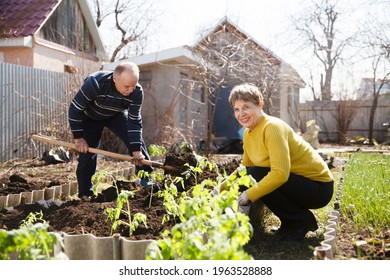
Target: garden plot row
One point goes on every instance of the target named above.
(62, 192)
(116, 247)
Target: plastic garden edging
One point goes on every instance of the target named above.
(328, 248)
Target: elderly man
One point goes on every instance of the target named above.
(111, 99)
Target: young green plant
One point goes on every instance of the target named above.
(103, 179)
(153, 178)
(210, 228)
(202, 164)
(122, 203)
(31, 241)
(123, 207)
(169, 195)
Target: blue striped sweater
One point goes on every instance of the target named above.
(98, 99)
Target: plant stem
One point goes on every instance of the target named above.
(129, 213)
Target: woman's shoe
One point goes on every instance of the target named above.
(296, 232)
(280, 231)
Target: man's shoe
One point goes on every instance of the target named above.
(145, 183)
(87, 194)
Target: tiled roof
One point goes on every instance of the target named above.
(20, 18)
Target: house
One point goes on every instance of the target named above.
(187, 88)
(55, 35)
(366, 89)
(175, 105)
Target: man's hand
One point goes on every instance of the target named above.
(137, 158)
(81, 145)
(243, 199)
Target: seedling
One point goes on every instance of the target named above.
(202, 164)
(122, 204)
(211, 227)
(169, 195)
(31, 241)
(103, 179)
(153, 178)
(123, 207)
(156, 150)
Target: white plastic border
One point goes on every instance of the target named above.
(328, 247)
(62, 192)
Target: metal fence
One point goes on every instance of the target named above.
(32, 101)
(329, 115)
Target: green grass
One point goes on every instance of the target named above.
(365, 196)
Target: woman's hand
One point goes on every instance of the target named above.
(243, 199)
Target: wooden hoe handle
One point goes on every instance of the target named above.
(56, 142)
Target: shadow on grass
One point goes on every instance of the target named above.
(265, 245)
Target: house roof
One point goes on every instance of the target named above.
(24, 18)
(226, 24)
(21, 18)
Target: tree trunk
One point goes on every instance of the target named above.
(372, 116)
(327, 87)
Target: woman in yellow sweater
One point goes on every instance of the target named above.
(291, 176)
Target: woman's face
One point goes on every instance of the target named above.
(247, 113)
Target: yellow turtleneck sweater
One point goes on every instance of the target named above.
(274, 144)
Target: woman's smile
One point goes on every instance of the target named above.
(247, 113)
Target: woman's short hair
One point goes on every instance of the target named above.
(246, 92)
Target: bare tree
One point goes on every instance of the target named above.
(318, 27)
(344, 115)
(377, 85)
(376, 40)
(131, 20)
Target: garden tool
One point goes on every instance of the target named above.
(52, 141)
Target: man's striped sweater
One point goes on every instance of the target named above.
(98, 99)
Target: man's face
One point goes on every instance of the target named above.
(125, 83)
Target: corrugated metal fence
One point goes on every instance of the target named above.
(32, 101)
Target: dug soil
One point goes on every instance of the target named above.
(88, 215)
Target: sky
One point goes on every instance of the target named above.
(260, 18)
(267, 21)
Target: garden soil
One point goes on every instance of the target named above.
(87, 215)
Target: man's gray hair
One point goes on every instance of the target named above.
(127, 66)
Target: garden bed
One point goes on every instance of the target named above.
(87, 215)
